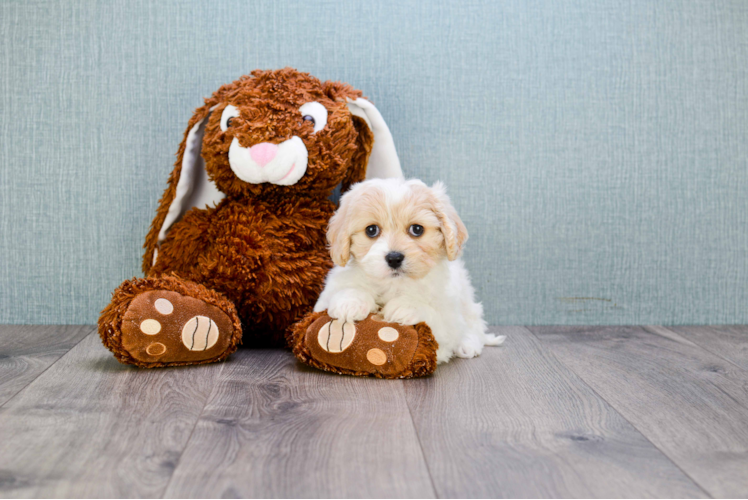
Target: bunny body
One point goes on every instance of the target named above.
(238, 242)
(268, 259)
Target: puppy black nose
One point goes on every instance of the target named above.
(394, 259)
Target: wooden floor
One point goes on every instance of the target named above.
(555, 412)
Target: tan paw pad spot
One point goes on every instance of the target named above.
(376, 357)
(378, 317)
(335, 336)
(164, 306)
(200, 333)
(156, 349)
(388, 334)
(150, 327)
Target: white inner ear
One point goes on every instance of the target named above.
(383, 160)
(316, 111)
(194, 189)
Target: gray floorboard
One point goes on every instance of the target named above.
(560, 412)
(26, 351)
(91, 427)
(274, 428)
(729, 342)
(690, 403)
(517, 423)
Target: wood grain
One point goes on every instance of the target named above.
(274, 428)
(729, 342)
(689, 402)
(546, 415)
(515, 422)
(91, 427)
(26, 351)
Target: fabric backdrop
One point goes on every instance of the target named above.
(596, 150)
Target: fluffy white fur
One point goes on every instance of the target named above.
(431, 285)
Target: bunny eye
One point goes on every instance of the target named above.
(229, 112)
(316, 113)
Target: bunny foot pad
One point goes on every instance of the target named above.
(368, 348)
(169, 328)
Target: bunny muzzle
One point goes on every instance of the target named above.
(282, 164)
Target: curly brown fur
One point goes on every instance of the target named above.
(261, 252)
(110, 320)
(269, 103)
(269, 260)
(424, 360)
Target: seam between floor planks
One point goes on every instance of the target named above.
(612, 405)
(83, 337)
(19, 391)
(399, 386)
(550, 352)
(678, 376)
(418, 438)
(654, 330)
(192, 432)
(194, 426)
(266, 431)
(112, 402)
(515, 432)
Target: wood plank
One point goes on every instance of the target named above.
(729, 342)
(515, 422)
(26, 351)
(690, 403)
(274, 428)
(91, 427)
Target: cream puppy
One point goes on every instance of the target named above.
(396, 247)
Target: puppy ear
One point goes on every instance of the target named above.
(383, 161)
(188, 186)
(338, 235)
(454, 231)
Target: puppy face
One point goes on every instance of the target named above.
(280, 132)
(394, 228)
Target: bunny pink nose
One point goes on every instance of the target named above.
(263, 153)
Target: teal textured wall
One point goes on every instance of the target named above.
(596, 150)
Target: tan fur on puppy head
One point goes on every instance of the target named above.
(455, 232)
(394, 205)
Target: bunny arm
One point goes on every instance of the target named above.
(269, 258)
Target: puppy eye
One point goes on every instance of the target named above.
(316, 113)
(229, 113)
(372, 231)
(415, 230)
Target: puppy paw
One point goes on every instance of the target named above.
(468, 348)
(443, 355)
(349, 310)
(494, 340)
(402, 313)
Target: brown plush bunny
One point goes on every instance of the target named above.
(238, 243)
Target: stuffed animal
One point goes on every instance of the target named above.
(368, 348)
(237, 249)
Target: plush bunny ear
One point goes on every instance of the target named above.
(188, 187)
(383, 161)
